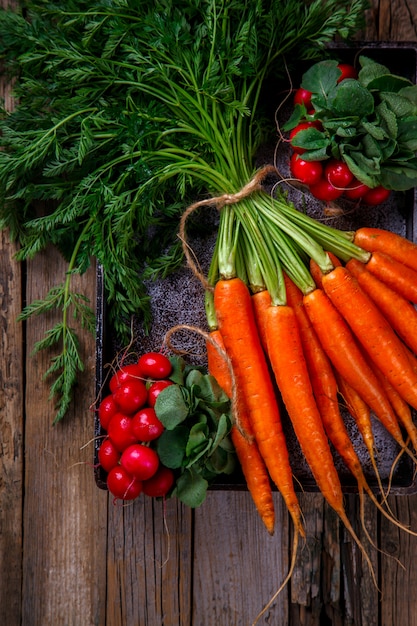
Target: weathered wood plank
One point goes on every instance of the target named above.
(11, 421)
(64, 549)
(149, 564)
(396, 20)
(11, 436)
(306, 600)
(238, 566)
(391, 20)
(325, 584)
(399, 565)
(360, 602)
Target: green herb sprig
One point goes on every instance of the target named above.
(127, 111)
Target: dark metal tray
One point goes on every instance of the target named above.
(179, 299)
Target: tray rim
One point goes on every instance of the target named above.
(101, 355)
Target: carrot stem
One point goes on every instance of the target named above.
(337, 241)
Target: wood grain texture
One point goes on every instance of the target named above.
(399, 569)
(69, 557)
(64, 548)
(11, 423)
(11, 435)
(238, 566)
(396, 20)
(149, 564)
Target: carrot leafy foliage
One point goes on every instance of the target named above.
(126, 111)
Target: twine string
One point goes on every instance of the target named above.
(219, 202)
(226, 199)
(223, 355)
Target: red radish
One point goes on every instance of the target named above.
(302, 126)
(323, 190)
(348, 71)
(140, 461)
(108, 455)
(106, 410)
(146, 426)
(122, 485)
(308, 172)
(155, 389)
(356, 190)
(120, 431)
(338, 173)
(303, 96)
(122, 375)
(375, 196)
(130, 396)
(155, 365)
(160, 483)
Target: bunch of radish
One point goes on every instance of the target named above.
(328, 178)
(127, 453)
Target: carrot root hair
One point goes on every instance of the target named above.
(284, 582)
(391, 518)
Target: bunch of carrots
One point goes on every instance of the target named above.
(319, 314)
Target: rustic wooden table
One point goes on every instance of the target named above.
(68, 557)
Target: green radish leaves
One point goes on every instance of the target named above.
(351, 100)
(369, 122)
(171, 407)
(196, 414)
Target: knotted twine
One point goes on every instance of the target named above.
(219, 202)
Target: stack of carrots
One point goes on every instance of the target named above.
(319, 315)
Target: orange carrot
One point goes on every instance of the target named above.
(218, 366)
(261, 302)
(247, 451)
(343, 351)
(399, 312)
(361, 414)
(256, 477)
(400, 406)
(288, 363)
(380, 240)
(234, 311)
(373, 331)
(399, 277)
(324, 385)
(316, 272)
(359, 410)
(286, 355)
